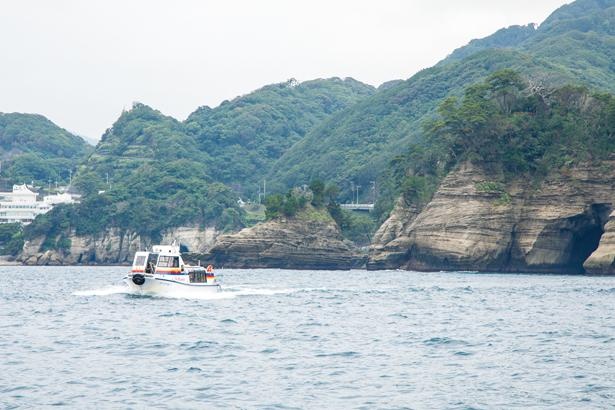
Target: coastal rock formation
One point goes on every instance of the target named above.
(112, 247)
(602, 261)
(473, 223)
(310, 240)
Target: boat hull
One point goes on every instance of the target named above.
(160, 285)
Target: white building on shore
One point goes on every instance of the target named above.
(21, 204)
(64, 198)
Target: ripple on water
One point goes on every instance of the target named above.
(444, 341)
(339, 354)
(200, 344)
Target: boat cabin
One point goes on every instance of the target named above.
(167, 260)
(162, 259)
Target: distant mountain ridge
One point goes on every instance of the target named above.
(33, 148)
(234, 143)
(509, 37)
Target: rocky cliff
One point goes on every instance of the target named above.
(473, 223)
(602, 260)
(112, 247)
(310, 240)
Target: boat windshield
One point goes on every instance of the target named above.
(139, 261)
(151, 262)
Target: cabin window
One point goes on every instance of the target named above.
(168, 261)
(139, 260)
(164, 262)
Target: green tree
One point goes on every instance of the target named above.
(318, 192)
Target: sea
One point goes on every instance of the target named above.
(74, 337)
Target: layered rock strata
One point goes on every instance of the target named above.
(554, 226)
(311, 240)
(112, 247)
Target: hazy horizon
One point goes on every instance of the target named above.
(80, 64)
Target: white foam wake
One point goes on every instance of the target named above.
(230, 293)
(185, 294)
(259, 291)
(109, 290)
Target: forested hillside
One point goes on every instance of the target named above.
(243, 137)
(575, 45)
(32, 148)
(146, 175)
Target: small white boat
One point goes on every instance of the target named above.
(163, 271)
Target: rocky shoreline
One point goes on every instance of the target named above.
(310, 240)
(562, 225)
(113, 247)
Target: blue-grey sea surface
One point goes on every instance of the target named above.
(281, 339)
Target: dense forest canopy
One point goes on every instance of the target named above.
(243, 137)
(146, 175)
(32, 148)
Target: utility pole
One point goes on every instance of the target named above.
(70, 177)
(107, 174)
(358, 187)
(373, 192)
(264, 189)
(352, 190)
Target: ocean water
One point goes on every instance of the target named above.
(279, 339)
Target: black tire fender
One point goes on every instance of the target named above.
(138, 279)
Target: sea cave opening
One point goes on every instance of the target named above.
(587, 231)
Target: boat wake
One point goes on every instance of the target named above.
(239, 291)
(225, 293)
(106, 291)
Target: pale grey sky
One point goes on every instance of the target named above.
(81, 62)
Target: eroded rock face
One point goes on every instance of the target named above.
(553, 227)
(602, 261)
(112, 247)
(196, 239)
(311, 240)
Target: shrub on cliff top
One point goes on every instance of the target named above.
(511, 129)
(285, 205)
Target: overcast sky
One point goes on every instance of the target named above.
(80, 63)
